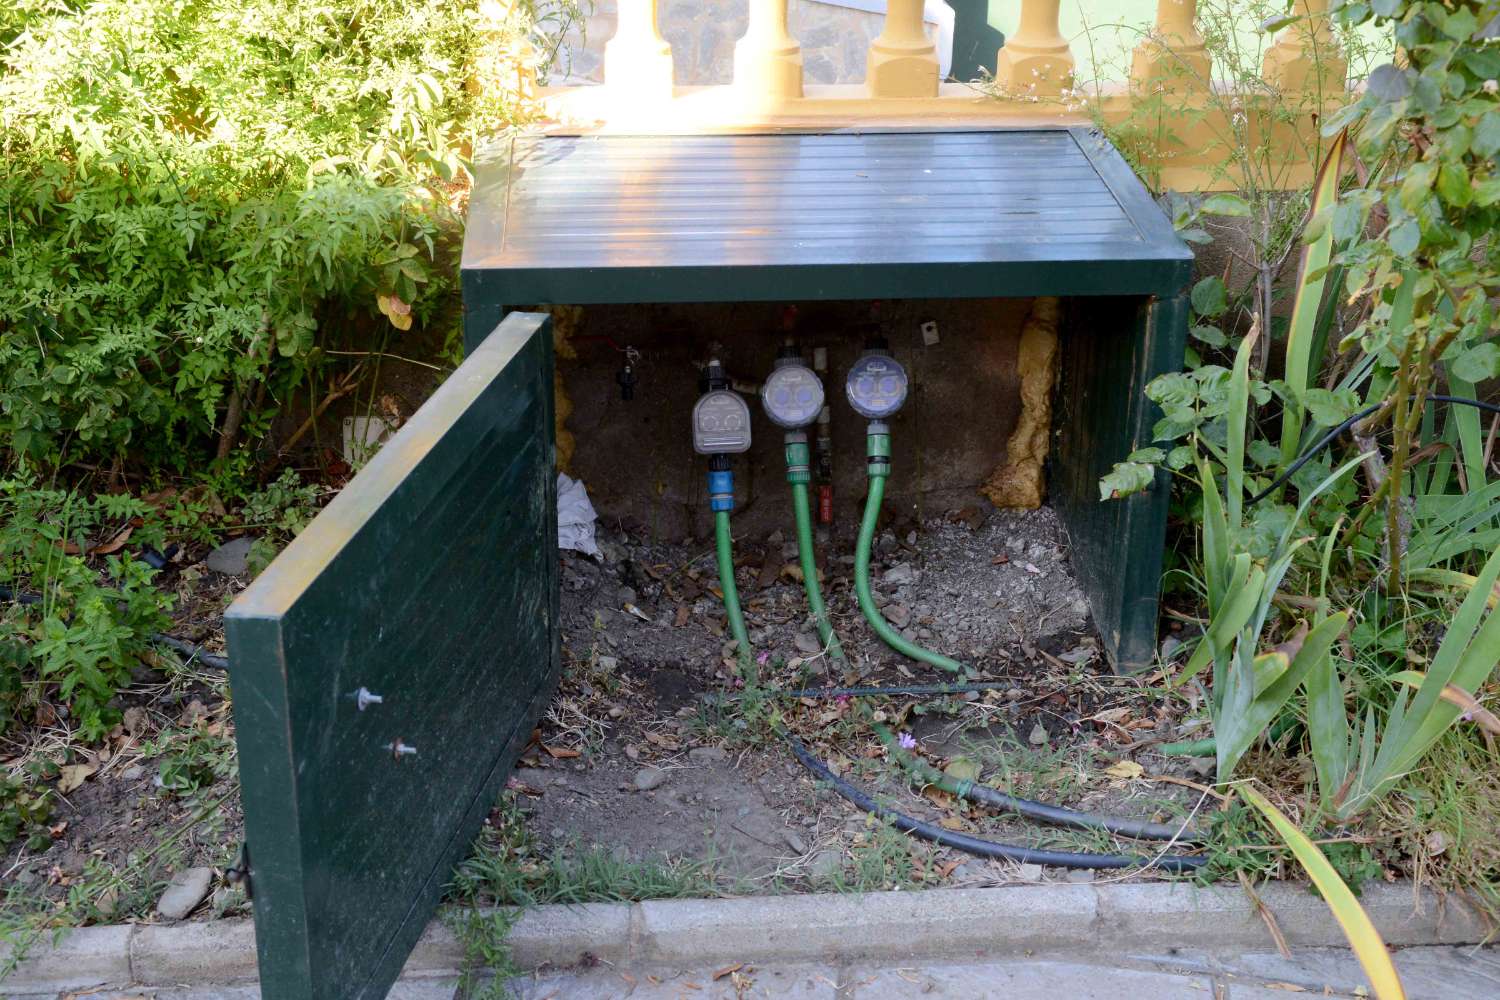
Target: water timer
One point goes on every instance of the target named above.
(721, 423)
(876, 385)
(792, 396)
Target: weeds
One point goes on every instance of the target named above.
(66, 635)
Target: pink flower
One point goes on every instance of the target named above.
(907, 741)
(763, 658)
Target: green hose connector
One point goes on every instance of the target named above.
(724, 546)
(799, 474)
(879, 452)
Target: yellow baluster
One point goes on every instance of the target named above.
(1036, 59)
(1306, 56)
(1175, 57)
(637, 60)
(768, 60)
(902, 62)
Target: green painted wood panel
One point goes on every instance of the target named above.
(430, 581)
(1102, 415)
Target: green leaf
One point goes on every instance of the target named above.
(1125, 479)
(1226, 204)
(1387, 83)
(1486, 140)
(1328, 408)
(1210, 297)
(1364, 939)
(1210, 335)
(1478, 363)
(1404, 237)
(1453, 185)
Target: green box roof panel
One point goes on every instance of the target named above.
(579, 219)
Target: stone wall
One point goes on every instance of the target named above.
(703, 32)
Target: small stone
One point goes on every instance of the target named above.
(232, 558)
(609, 663)
(1169, 645)
(648, 778)
(1080, 875)
(616, 712)
(898, 615)
(1203, 767)
(626, 595)
(1014, 694)
(971, 871)
(187, 889)
(776, 537)
(1030, 873)
(1038, 737)
(708, 755)
(807, 643)
(132, 773)
(794, 841)
(899, 574)
(826, 863)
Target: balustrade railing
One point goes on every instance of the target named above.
(1034, 78)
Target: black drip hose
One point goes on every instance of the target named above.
(978, 846)
(874, 692)
(182, 646)
(1327, 439)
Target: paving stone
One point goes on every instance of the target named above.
(1022, 980)
(794, 982)
(1446, 973)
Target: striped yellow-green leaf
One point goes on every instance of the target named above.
(1364, 939)
(1310, 279)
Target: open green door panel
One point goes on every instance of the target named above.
(430, 584)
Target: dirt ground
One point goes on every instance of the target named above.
(645, 753)
(161, 794)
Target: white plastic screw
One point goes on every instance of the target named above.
(363, 698)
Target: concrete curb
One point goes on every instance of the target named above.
(897, 926)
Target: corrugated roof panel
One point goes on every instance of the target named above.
(551, 214)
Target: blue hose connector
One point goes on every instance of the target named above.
(721, 489)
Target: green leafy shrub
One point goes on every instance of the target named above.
(200, 197)
(66, 636)
(23, 814)
(1394, 303)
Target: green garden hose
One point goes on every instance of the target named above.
(724, 546)
(879, 452)
(798, 474)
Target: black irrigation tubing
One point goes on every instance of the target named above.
(986, 848)
(1327, 439)
(1042, 812)
(873, 692)
(182, 646)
